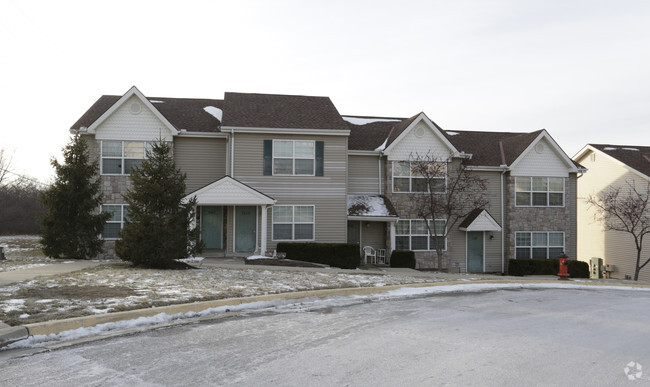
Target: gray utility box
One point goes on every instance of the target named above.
(595, 268)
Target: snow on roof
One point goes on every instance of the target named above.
(156, 101)
(364, 121)
(366, 205)
(382, 147)
(214, 111)
(609, 148)
(631, 149)
(451, 133)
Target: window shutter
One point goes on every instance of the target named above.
(319, 158)
(268, 157)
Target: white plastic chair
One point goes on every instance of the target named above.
(369, 252)
(381, 256)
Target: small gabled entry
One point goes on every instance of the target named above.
(475, 225)
(233, 202)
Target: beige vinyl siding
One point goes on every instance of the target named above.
(126, 126)
(363, 175)
(373, 234)
(202, 159)
(457, 241)
(328, 193)
(613, 247)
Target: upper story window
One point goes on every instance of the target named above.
(409, 176)
(118, 157)
(413, 234)
(115, 223)
(539, 244)
(293, 157)
(539, 191)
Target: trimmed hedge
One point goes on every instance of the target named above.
(521, 267)
(343, 255)
(402, 258)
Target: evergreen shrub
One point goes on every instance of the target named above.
(402, 258)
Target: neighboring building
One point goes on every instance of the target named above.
(270, 168)
(610, 166)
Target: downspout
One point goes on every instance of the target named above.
(379, 180)
(503, 165)
(232, 153)
(503, 225)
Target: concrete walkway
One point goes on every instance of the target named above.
(13, 276)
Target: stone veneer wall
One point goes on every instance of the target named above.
(113, 188)
(405, 207)
(541, 218)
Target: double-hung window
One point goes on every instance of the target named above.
(293, 223)
(539, 191)
(119, 157)
(539, 244)
(412, 176)
(115, 223)
(294, 157)
(413, 234)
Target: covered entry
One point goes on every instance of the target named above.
(477, 225)
(370, 220)
(232, 216)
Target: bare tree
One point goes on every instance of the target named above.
(5, 164)
(626, 209)
(447, 192)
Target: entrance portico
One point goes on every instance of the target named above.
(232, 217)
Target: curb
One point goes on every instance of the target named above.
(10, 334)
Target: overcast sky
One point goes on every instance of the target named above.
(580, 69)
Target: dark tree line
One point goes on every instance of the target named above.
(20, 208)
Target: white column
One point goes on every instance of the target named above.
(263, 236)
(392, 239)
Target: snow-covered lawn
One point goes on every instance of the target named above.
(116, 287)
(22, 252)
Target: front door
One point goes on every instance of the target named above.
(245, 229)
(212, 227)
(475, 249)
(354, 231)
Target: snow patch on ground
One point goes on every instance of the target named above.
(295, 305)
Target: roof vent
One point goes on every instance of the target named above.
(135, 108)
(539, 148)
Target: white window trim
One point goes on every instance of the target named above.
(411, 177)
(121, 222)
(410, 234)
(293, 223)
(548, 192)
(530, 247)
(147, 146)
(293, 159)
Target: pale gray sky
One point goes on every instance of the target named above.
(580, 69)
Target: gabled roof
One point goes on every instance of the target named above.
(228, 192)
(479, 220)
(635, 157)
(244, 110)
(491, 148)
(182, 113)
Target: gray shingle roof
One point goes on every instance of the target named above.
(183, 113)
(280, 111)
(636, 157)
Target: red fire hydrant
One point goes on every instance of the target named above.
(564, 273)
